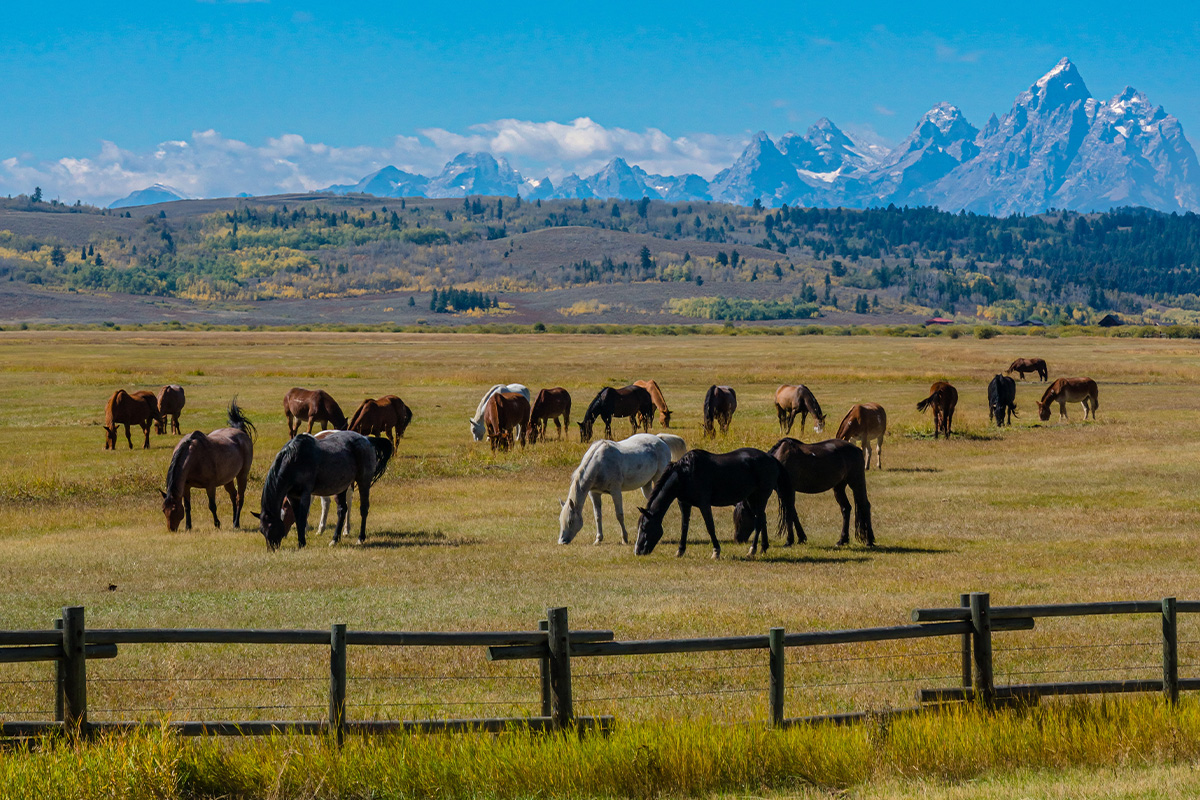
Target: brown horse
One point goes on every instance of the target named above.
(311, 405)
(1070, 390)
(1023, 365)
(222, 458)
(125, 408)
(660, 402)
(505, 411)
(865, 422)
(550, 404)
(170, 404)
(630, 401)
(793, 399)
(719, 404)
(388, 416)
(943, 397)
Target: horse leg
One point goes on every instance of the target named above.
(839, 493)
(212, 504)
(237, 493)
(343, 508)
(187, 509)
(599, 525)
(324, 516)
(878, 453)
(706, 513)
(291, 428)
(300, 506)
(619, 508)
(803, 420)
(364, 505)
(175, 425)
(310, 425)
(781, 416)
(127, 437)
(685, 514)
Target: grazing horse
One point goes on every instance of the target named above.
(865, 422)
(943, 397)
(793, 399)
(222, 458)
(477, 428)
(311, 405)
(632, 401)
(308, 466)
(550, 404)
(1002, 399)
(660, 402)
(504, 412)
(1023, 365)
(817, 468)
(387, 416)
(704, 480)
(719, 404)
(170, 404)
(124, 408)
(612, 468)
(1070, 390)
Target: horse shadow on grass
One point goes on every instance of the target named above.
(393, 539)
(914, 469)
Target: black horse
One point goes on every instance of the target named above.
(1002, 397)
(629, 401)
(704, 480)
(817, 468)
(719, 404)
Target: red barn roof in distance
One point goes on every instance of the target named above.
(939, 321)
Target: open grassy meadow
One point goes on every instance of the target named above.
(460, 538)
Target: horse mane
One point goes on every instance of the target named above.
(844, 429)
(775, 448)
(182, 450)
(286, 461)
(814, 408)
(593, 409)
(238, 420)
(1047, 397)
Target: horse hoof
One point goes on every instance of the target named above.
(333, 542)
(716, 554)
(679, 554)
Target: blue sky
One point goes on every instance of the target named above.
(289, 95)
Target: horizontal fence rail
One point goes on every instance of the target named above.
(70, 645)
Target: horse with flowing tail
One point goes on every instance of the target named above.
(550, 404)
(866, 422)
(312, 405)
(125, 408)
(793, 399)
(1023, 365)
(1070, 390)
(633, 402)
(702, 480)
(307, 466)
(660, 402)
(719, 404)
(170, 404)
(818, 468)
(221, 458)
(943, 398)
(388, 416)
(612, 468)
(1002, 399)
(478, 430)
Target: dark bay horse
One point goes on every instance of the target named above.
(308, 466)
(549, 404)
(818, 468)
(719, 404)
(504, 412)
(124, 408)
(1070, 390)
(311, 406)
(1023, 365)
(170, 404)
(631, 401)
(1002, 399)
(866, 422)
(703, 480)
(660, 402)
(222, 458)
(793, 399)
(943, 398)
(387, 416)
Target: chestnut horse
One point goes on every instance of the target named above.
(1002, 399)
(793, 399)
(503, 412)
(719, 404)
(550, 404)
(660, 402)
(943, 397)
(388, 416)
(1023, 365)
(1070, 390)
(170, 404)
(477, 429)
(222, 458)
(125, 408)
(311, 405)
(630, 401)
(865, 422)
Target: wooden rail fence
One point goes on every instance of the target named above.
(70, 644)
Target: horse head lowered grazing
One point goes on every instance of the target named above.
(1070, 390)
(221, 458)
(793, 399)
(942, 398)
(630, 401)
(130, 408)
(388, 416)
(478, 430)
(312, 405)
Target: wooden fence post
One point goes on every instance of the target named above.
(74, 672)
(985, 689)
(337, 681)
(1170, 634)
(544, 672)
(964, 600)
(775, 640)
(563, 710)
(59, 671)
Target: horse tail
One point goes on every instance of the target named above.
(239, 420)
(383, 454)
(924, 404)
(863, 531)
(789, 520)
(709, 413)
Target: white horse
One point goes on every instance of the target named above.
(611, 468)
(477, 430)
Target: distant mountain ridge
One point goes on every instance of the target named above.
(158, 193)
